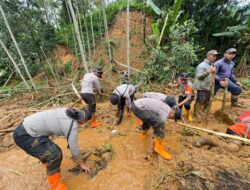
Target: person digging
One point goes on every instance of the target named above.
(121, 96)
(154, 113)
(32, 135)
(90, 82)
(187, 94)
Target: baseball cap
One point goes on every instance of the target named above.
(212, 52)
(230, 50)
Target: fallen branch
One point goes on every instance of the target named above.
(78, 95)
(216, 133)
(127, 66)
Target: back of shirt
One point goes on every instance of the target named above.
(89, 82)
(124, 90)
(156, 106)
(155, 95)
(47, 123)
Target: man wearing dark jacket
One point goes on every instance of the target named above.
(225, 78)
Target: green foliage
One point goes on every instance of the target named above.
(179, 56)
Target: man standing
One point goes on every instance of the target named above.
(225, 78)
(33, 137)
(169, 100)
(155, 113)
(202, 84)
(122, 95)
(90, 82)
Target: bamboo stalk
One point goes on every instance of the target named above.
(78, 95)
(17, 47)
(127, 66)
(224, 97)
(216, 133)
(15, 64)
(128, 40)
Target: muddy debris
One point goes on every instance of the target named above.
(97, 160)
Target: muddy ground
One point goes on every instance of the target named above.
(131, 167)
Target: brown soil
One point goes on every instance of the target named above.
(131, 166)
(117, 33)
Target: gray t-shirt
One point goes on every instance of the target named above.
(54, 122)
(157, 107)
(89, 82)
(125, 90)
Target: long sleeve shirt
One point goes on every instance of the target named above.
(54, 122)
(224, 70)
(89, 82)
(202, 76)
(125, 90)
(157, 107)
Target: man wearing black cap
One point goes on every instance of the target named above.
(155, 113)
(122, 95)
(90, 82)
(225, 78)
(33, 137)
(187, 94)
(202, 84)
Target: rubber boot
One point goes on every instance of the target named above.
(140, 122)
(197, 110)
(189, 115)
(235, 102)
(120, 116)
(143, 135)
(94, 123)
(56, 183)
(205, 108)
(159, 148)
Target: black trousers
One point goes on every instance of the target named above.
(187, 104)
(150, 119)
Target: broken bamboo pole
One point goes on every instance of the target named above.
(216, 133)
(77, 94)
(127, 66)
(224, 96)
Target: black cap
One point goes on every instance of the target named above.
(78, 115)
(98, 70)
(114, 99)
(184, 75)
(177, 114)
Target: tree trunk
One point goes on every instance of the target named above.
(73, 33)
(106, 31)
(128, 40)
(17, 47)
(51, 68)
(92, 31)
(78, 35)
(144, 21)
(14, 63)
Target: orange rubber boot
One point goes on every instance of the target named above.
(140, 122)
(143, 135)
(56, 183)
(159, 148)
(95, 123)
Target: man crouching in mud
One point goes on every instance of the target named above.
(154, 113)
(32, 135)
(241, 128)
